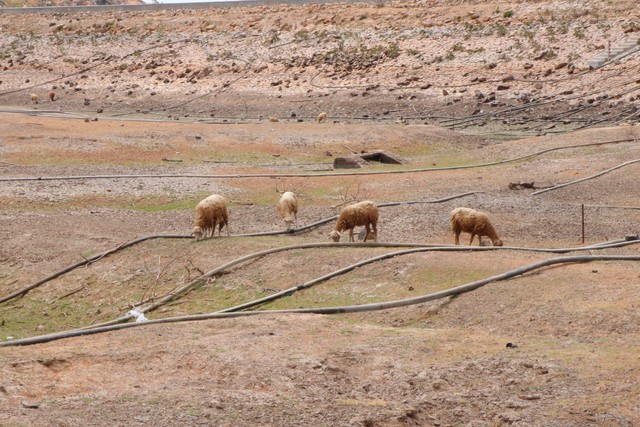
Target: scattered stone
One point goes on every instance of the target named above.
(531, 397)
(30, 405)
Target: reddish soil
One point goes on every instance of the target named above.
(573, 329)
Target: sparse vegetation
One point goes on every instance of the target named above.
(438, 85)
(501, 30)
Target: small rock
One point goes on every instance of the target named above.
(30, 405)
(345, 163)
(531, 397)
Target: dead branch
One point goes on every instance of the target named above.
(75, 291)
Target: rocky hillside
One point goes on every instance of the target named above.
(41, 3)
(423, 61)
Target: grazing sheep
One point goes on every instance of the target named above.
(273, 119)
(52, 96)
(288, 208)
(34, 98)
(360, 214)
(210, 212)
(474, 222)
(321, 117)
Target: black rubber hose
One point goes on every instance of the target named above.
(417, 248)
(331, 310)
(309, 175)
(23, 291)
(290, 291)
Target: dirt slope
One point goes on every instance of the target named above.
(573, 329)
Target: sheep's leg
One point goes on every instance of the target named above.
(351, 235)
(472, 236)
(457, 232)
(367, 231)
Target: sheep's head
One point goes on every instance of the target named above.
(289, 221)
(335, 236)
(497, 242)
(197, 233)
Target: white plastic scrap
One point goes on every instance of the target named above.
(137, 314)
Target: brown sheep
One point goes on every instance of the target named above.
(360, 214)
(34, 98)
(474, 222)
(288, 208)
(52, 96)
(321, 117)
(210, 212)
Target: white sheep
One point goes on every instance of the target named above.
(34, 98)
(210, 212)
(288, 208)
(359, 214)
(321, 117)
(474, 222)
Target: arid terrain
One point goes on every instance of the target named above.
(486, 103)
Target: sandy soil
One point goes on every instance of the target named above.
(572, 329)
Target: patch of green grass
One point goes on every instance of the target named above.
(89, 253)
(220, 294)
(31, 317)
(153, 204)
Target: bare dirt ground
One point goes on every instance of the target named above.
(574, 328)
